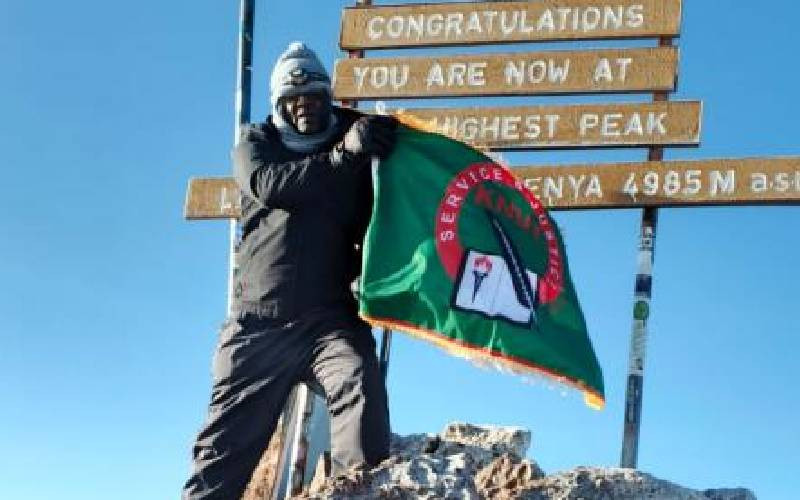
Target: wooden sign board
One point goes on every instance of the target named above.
(569, 126)
(212, 198)
(395, 26)
(752, 181)
(521, 73)
(666, 184)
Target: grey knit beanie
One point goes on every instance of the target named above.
(297, 71)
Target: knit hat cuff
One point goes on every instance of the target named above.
(298, 71)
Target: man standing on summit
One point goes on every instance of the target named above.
(305, 179)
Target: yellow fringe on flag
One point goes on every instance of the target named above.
(479, 355)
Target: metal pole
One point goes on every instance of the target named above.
(386, 334)
(242, 107)
(641, 312)
(244, 77)
(386, 337)
(299, 448)
(386, 346)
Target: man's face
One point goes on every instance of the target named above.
(308, 113)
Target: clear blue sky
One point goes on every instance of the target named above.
(110, 301)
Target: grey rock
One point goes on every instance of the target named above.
(729, 494)
(598, 483)
(473, 462)
(514, 440)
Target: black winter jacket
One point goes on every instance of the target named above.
(303, 221)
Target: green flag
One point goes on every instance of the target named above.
(459, 253)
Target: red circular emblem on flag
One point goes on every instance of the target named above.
(448, 216)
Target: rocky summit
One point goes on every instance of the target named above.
(468, 461)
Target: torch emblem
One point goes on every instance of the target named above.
(481, 268)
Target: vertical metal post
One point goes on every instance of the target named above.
(242, 108)
(386, 347)
(386, 334)
(299, 448)
(641, 312)
(386, 337)
(244, 78)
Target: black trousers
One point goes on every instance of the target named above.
(256, 364)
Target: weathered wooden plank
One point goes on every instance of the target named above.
(523, 73)
(212, 198)
(747, 181)
(569, 126)
(410, 25)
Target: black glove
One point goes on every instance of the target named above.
(372, 135)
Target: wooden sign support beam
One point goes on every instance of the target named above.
(641, 311)
(356, 54)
